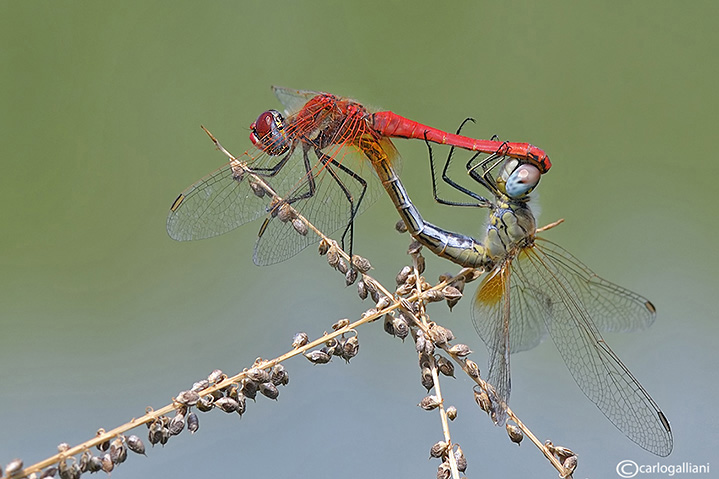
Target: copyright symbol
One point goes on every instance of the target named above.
(627, 468)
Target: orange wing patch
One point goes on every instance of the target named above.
(492, 289)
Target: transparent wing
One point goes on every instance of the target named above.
(600, 374)
(293, 100)
(613, 308)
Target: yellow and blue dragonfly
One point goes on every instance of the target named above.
(533, 288)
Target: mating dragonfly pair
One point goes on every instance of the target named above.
(313, 159)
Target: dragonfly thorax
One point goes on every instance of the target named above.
(511, 227)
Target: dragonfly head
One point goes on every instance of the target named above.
(516, 179)
(268, 133)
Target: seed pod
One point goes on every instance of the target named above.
(49, 472)
(514, 433)
(200, 385)
(351, 276)
(154, 435)
(299, 340)
(401, 226)
(280, 376)
(429, 402)
(258, 375)
(232, 391)
(94, 465)
(350, 348)
(439, 449)
(482, 400)
(177, 424)
(470, 274)
(562, 452)
(300, 226)
(62, 447)
(362, 264)
(323, 247)
(402, 275)
(427, 380)
(342, 266)
(570, 464)
(471, 368)
(452, 413)
(135, 444)
(193, 422)
(216, 376)
(342, 323)
(241, 404)
(404, 289)
(433, 296)
(419, 341)
(107, 464)
(65, 469)
(420, 263)
(362, 290)
(226, 404)
(401, 328)
(318, 357)
(13, 467)
(414, 248)
(257, 189)
(440, 335)
(460, 350)
(444, 471)
(188, 398)
(333, 257)
(383, 302)
(445, 366)
(460, 459)
(205, 403)
(452, 295)
(238, 173)
(285, 213)
(118, 451)
(370, 312)
(269, 390)
(103, 446)
(249, 388)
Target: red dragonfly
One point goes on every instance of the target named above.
(321, 135)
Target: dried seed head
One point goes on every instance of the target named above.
(419, 341)
(414, 248)
(452, 295)
(401, 328)
(444, 471)
(318, 357)
(342, 266)
(569, 464)
(404, 289)
(470, 274)
(562, 452)
(440, 335)
(205, 403)
(362, 290)
(13, 467)
(95, 464)
(433, 296)
(333, 256)
(300, 226)
(427, 380)
(445, 366)
(216, 376)
(241, 404)
(420, 263)
(429, 402)
(471, 368)
(351, 276)
(107, 464)
(350, 348)
(299, 340)
(460, 459)
(362, 264)
(154, 435)
(439, 449)
(285, 212)
(49, 472)
(249, 388)
(269, 390)
(280, 376)
(514, 433)
(402, 275)
(389, 324)
(228, 405)
(258, 375)
(460, 350)
(482, 400)
(401, 226)
(62, 447)
(323, 247)
(452, 413)
(370, 312)
(257, 189)
(200, 385)
(118, 451)
(425, 360)
(193, 422)
(177, 424)
(104, 446)
(135, 444)
(188, 398)
(383, 302)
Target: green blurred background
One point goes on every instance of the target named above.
(103, 314)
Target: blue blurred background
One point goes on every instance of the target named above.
(103, 314)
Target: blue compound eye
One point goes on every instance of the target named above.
(522, 181)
